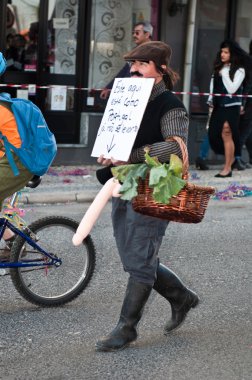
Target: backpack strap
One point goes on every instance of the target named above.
(8, 146)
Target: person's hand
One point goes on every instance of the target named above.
(104, 161)
(242, 110)
(105, 93)
(110, 161)
(118, 163)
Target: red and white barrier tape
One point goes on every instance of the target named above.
(208, 94)
(27, 86)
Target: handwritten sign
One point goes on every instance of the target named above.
(58, 98)
(122, 117)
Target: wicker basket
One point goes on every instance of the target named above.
(188, 206)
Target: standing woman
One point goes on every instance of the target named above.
(228, 77)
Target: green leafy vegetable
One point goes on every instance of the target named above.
(128, 175)
(165, 179)
(156, 174)
(150, 161)
(122, 172)
(175, 165)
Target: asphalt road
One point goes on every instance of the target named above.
(213, 258)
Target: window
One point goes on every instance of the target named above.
(22, 35)
(62, 36)
(111, 36)
(210, 33)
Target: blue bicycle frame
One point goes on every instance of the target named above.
(4, 223)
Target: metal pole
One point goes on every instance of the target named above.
(189, 51)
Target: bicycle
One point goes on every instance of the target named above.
(45, 271)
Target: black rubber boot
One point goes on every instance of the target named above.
(125, 332)
(181, 298)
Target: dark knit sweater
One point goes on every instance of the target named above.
(150, 128)
(165, 116)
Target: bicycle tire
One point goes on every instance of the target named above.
(53, 286)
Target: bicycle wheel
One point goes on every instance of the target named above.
(52, 285)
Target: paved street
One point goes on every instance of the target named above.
(212, 257)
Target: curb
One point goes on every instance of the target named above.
(49, 196)
(63, 197)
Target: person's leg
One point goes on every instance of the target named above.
(249, 144)
(138, 240)
(203, 154)
(166, 282)
(245, 128)
(204, 148)
(8, 234)
(239, 164)
(138, 245)
(229, 149)
(182, 299)
(125, 332)
(9, 184)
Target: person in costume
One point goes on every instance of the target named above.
(139, 237)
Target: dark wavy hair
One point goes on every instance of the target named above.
(238, 58)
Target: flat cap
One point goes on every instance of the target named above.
(156, 51)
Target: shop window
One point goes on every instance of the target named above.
(111, 38)
(62, 37)
(210, 33)
(22, 35)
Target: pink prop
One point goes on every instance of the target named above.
(110, 189)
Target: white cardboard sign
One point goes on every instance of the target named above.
(58, 99)
(122, 117)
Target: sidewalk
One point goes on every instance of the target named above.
(63, 184)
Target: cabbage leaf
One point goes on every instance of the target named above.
(165, 179)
